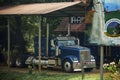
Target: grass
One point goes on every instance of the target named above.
(47, 74)
(5, 75)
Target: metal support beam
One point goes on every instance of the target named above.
(8, 56)
(39, 44)
(69, 29)
(101, 62)
(82, 67)
(83, 71)
(47, 39)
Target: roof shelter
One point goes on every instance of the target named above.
(43, 9)
(46, 9)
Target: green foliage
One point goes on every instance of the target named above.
(29, 28)
(30, 68)
(25, 28)
(114, 69)
(110, 67)
(110, 30)
(114, 14)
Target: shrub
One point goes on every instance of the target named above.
(114, 70)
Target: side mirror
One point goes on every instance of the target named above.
(77, 42)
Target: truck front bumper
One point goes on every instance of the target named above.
(78, 67)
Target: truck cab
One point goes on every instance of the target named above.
(60, 42)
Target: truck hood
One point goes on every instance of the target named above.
(74, 47)
(72, 51)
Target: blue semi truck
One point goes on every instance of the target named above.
(63, 52)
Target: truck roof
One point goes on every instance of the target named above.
(65, 38)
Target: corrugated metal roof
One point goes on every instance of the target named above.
(36, 8)
(63, 27)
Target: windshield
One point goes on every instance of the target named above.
(66, 43)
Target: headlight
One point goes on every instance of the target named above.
(75, 59)
(92, 58)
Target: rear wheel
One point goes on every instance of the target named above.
(20, 61)
(67, 66)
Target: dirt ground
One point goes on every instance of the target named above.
(47, 70)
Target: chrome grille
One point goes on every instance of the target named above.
(85, 55)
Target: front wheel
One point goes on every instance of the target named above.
(67, 66)
(19, 62)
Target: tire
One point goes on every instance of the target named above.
(67, 66)
(20, 61)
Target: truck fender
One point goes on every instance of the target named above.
(71, 58)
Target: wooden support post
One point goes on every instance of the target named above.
(39, 44)
(8, 56)
(83, 72)
(101, 62)
(47, 43)
(82, 67)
